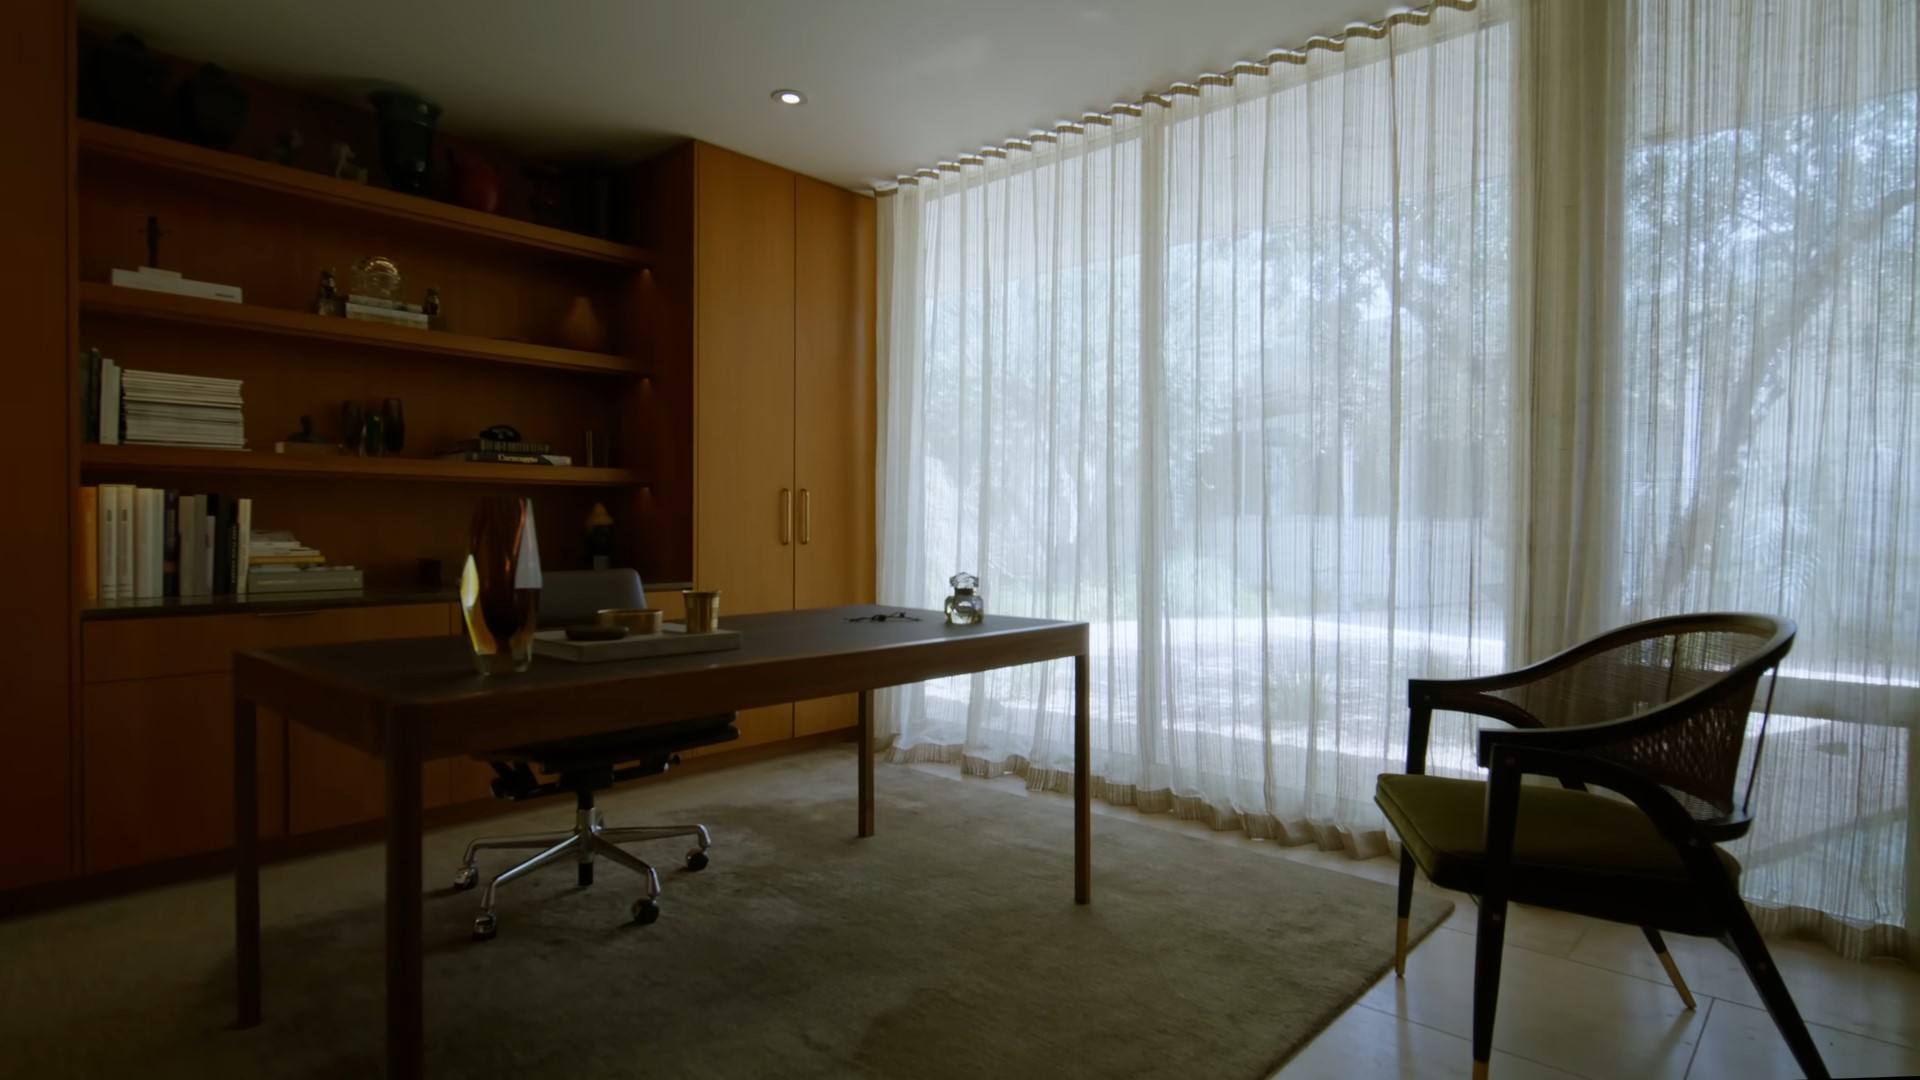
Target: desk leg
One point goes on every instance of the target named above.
(1082, 783)
(866, 763)
(405, 967)
(246, 865)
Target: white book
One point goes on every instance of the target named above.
(109, 402)
(123, 526)
(169, 281)
(157, 541)
(107, 524)
(244, 543)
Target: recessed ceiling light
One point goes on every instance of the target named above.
(789, 97)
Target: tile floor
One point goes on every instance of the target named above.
(1582, 998)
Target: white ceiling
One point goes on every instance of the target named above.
(892, 84)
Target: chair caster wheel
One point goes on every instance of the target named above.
(696, 860)
(485, 927)
(645, 911)
(466, 878)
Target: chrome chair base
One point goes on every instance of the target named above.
(589, 838)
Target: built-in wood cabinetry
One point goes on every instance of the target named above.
(783, 401)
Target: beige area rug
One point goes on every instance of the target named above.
(947, 946)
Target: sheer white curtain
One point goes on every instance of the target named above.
(1767, 410)
(1231, 381)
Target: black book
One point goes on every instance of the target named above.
(220, 509)
(233, 545)
(170, 557)
(90, 394)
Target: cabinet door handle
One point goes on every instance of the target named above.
(786, 515)
(806, 516)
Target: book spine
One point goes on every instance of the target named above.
(170, 545)
(230, 533)
(189, 545)
(109, 543)
(497, 458)
(209, 525)
(123, 539)
(109, 402)
(243, 543)
(156, 542)
(89, 540)
(502, 446)
(219, 509)
(90, 395)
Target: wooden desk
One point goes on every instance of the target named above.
(415, 700)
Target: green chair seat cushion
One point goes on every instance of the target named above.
(1573, 850)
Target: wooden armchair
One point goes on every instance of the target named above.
(1656, 712)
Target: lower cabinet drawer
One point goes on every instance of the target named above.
(157, 770)
(115, 649)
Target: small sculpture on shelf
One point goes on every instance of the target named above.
(476, 185)
(544, 201)
(430, 307)
(282, 147)
(213, 108)
(327, 300)
(305, 441)
(343, 166)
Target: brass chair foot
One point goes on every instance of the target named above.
(1400, 949)
(1673, 973)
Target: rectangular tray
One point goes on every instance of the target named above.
(671, 640)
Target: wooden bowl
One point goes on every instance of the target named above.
(636, 620)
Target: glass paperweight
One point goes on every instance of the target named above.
(375, 276)
(500, 586)
(965, 607)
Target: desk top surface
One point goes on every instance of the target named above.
(436, 670)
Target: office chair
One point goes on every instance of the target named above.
(588, 764)
(1655, 712)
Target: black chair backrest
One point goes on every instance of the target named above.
(572, 597)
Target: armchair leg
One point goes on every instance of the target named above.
(1744, 939)
(1404, 910)
(1489, 941)
(1666, 961)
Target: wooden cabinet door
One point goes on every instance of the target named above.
(743, 381)
(833, 414)
(157, 770)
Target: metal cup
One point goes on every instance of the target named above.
(703, 610)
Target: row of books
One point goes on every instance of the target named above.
(140, 543)
(154, 408)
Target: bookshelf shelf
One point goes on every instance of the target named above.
(97, 460)
(117, 301)
(213, 169)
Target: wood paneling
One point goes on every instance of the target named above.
(330, 784)
(656, 532)
(157, 762)
(743, 367)
(834, 414)
(120, 649)
(36, 307)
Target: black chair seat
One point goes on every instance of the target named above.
(1572, 850)
(638, 744)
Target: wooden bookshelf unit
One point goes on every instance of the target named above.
(717, 271)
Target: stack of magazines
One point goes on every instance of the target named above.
(159, 409)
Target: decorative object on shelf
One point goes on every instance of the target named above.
(581, 328)
(373, 436)
(327, 300)
(703, 610)
(305, 441)
(500, 585)
(213, 108)
(431, 309)
(597, 201)
(594, 456)
(343, 164)
(123, 84)
(632, 620)
(544, 200)
(153, 232)
(282, 148)
(599, 539)
(476, 185)
(352, 426)
(406, 137)
(501, 433)
(965, 607)
(154, 279)
(375, 276)
(395, 424)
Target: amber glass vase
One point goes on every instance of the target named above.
(500, 586)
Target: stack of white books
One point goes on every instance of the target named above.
(159, 409)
